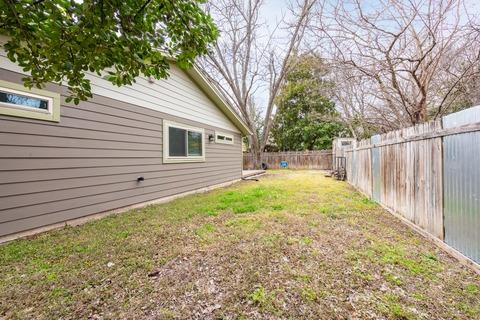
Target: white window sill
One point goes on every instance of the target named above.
(183, 159)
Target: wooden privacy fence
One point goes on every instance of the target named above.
(429, 174)
(296, 159)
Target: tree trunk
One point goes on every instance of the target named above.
(257, 153)
(420, 114)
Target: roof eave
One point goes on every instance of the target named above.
(215, 96)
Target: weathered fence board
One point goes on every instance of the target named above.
(359, 169)
(376, 171)
(296, 159)
(411, 177)
(429, 174)
(405, 174)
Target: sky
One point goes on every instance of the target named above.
(273, 10)
(272, 13)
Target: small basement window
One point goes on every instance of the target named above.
(223, 138)
(18, 101)
(182, 143)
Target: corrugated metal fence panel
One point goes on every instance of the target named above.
(462, 185)
(467, 116)
(376, 178)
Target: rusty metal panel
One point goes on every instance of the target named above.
(461, 154)
(376, 174)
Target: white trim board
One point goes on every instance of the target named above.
(166, 143)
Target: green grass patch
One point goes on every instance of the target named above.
(472, 289)
(258, 296)
(243, 200)
(263, 299)
(211, 212)
(364, 275)
(304, 278)
(205, 230)
(244, 208)
(392, 307)
(60, 292)
(419, 296)
(272, 240)
(306, 241)
(471, 310)
(308, 294)
(393, 279)
(244, 225)
(396, 254)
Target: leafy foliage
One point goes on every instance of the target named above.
(306, 118)
(60, 40)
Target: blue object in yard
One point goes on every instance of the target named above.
(284, 164)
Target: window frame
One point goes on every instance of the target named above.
(8, 109)
(226, 135)
(166, 143)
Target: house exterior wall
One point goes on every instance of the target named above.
(177, 96)
(90, 160)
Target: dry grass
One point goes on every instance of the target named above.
(294, 245)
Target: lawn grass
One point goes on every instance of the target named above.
(293, 245)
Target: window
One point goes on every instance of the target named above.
(223, 138)
(182, 143)
(18, 101)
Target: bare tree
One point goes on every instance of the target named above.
(407, 59)
(356, 105)
(250, 59)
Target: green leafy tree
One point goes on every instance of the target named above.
(60, 40)
(306, 118)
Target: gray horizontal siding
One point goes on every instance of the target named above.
(20, 139)
(25, 189)
(29, 175)
(128, 198)
(47, 202)
(89, 162)
(28, 164)
(64, 152)
(11, 125)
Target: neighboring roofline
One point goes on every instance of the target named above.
(216, 97)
